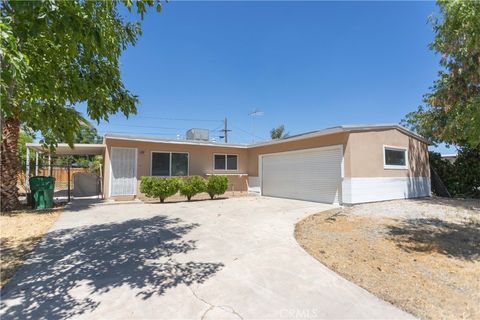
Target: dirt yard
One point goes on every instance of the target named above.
(20, 231)
(421, 255)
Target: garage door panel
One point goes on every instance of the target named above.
(313, 175)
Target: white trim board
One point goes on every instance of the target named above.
(360, 190)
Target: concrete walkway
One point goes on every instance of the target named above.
(223, 259)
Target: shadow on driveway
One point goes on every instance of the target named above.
(95, 259)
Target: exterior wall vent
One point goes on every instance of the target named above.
(198, 134)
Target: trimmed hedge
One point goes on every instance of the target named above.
(164, 187)
(159, 187)
(191, 186)
(216, 185)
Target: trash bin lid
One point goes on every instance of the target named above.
(42, 182)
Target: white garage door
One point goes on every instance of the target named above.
(311, 174)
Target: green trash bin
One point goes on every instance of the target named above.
(42, 189)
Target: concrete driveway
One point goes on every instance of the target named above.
(222, 259)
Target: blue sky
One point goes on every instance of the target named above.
(307, 65)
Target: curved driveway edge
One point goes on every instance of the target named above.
(222, 259)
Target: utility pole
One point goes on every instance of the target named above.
(225, 130)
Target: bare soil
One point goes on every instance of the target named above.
(20, 232)
(421, 255)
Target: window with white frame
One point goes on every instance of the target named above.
(394, 157)
(169, 164)
(225, 161)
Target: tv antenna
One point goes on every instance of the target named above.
(255, 113)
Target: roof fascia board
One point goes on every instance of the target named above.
(323, 132)
(177, 142)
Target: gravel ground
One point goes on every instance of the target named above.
(440, 208)
(422, 255)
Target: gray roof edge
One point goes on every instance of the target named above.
(301, 136)
(344, 128)
(176, 141)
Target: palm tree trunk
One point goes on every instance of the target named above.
(9, 164)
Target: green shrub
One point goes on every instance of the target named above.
(191, 186)
(159, 187)
(217, 185)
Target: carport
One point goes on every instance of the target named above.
(61, 150)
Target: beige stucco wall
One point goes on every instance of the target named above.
(200, 158)
(366, 154)
(315, 142)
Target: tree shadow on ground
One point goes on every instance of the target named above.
(429, 235)
(96, 259)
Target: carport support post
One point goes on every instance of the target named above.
(27, 169)
(36, 163)
(49, 165)
(68, 180)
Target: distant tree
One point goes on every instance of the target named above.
(451, 111)
(278, 132)
(54, 55)
(87, 134)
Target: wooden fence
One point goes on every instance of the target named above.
(59, 173)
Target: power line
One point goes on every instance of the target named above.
(142, 126)
(178, 119)
(249, 133)
(139, 133)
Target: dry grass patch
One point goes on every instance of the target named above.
(20, 232)
(426, 261)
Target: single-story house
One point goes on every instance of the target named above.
(344, 164)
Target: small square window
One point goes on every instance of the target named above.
(395, 158)
(225, 162)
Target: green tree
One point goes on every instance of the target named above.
(451, 111)
(54, 55)
(278, 132)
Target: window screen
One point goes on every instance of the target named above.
(231, 162)
(395, 157)
(160, 164)
(219, 162)
(179, 164)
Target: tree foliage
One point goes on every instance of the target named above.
(53, 56)
(451, 111)
(278, 132)
(462, 178)
(56, 54)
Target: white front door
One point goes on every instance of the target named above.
(309, 174)
(124, 171)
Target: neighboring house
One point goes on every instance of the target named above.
(344, 164)
(450, 157)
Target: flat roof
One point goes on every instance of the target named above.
(173, 141)
(306, 135)
(98, 149)
(63, 149)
